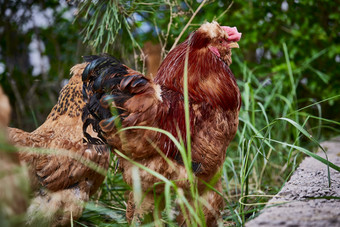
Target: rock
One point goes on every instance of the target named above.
(304, 196)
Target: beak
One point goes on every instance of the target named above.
(233, 45)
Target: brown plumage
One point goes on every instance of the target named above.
(60, 181)
(134, 100)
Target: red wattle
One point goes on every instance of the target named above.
(214, 50)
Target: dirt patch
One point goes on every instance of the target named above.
(306, 199)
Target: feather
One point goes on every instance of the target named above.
(126, 81)
(108, 124)
(139, 82)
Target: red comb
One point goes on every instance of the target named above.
(233, 34)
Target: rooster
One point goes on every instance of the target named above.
(60, 181)
(135, 100)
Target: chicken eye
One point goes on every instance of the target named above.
(221, 41)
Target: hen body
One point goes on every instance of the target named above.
(60, 182)
(214, 103)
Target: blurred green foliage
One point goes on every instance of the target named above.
(21, 23)
(310, 30)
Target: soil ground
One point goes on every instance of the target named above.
(306, 199)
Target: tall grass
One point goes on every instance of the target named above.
(272, 138)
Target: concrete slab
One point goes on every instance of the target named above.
(306, 199)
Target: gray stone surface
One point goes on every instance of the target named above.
(306, 199)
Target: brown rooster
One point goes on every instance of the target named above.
(135, 100)
(60, 181)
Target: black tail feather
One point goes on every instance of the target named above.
(127, 80)
(103, 75)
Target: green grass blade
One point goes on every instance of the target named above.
(307, 152)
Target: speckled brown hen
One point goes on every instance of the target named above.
(214, 106)
(61, 183)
